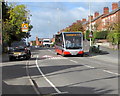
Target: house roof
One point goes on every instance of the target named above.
(114, 11)
(85, 22)
(97, 17)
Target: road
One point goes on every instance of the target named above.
(54, 74)
(73, 75)
(15, 79)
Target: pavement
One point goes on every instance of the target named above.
(15, 79)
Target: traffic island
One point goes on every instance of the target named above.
(94, 49)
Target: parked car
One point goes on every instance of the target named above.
(19, 53)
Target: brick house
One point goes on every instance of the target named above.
(39, 41)
(112, 17)
(103, 21)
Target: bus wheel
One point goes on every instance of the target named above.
(57, 53)
(81, 55)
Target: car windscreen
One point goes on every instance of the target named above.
(73, 40)
(19, 50)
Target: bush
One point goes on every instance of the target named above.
(114, 37)
(87, 35)
(101, 35)
(97, 35)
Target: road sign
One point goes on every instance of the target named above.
(24, 27)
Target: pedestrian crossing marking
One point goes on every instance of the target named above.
(52, 57)
(47, 56)
(57, 58)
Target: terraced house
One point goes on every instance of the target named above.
(103, 21)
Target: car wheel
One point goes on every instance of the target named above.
(27, 57)
(81, 55)
(11, 58)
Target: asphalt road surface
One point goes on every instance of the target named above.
(92, 74)
(48, 73)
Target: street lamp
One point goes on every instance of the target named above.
(49, 26)
(58, 9)
(90, 24)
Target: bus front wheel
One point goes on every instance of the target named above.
(81, 55)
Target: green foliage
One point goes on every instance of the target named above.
(74, 27)
(34, 43)
(87, 35)
(114, 35)
(99, 35)
(13, 16)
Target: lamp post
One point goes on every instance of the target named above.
(90, 24)
(58, 9)
(49, 26)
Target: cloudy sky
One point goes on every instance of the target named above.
(50, 17)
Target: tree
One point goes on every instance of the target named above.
(74, 27)
(13, 16)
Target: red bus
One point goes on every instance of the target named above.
(69, 43)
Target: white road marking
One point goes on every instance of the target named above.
(59, 93)
(49, 50)
(57, 90)
(57, 58)
(73, 61)
(94, 57)
(111, 72)
(46, 56)
(89, 66)
(83, 65)
(36, 90)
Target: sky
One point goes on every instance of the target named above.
(50, 17)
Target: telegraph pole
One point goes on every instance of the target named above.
(90, 34)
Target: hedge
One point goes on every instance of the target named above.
(97, 35)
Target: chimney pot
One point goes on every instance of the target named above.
(114, 6)
(106, 10)
(90, 18)
(96, 14)
(83, 20)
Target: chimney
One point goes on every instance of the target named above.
(114, 6)
(37, 39)
(83, 20)
(78, 20)
(96, 14)
(106, 10)
(90, 18)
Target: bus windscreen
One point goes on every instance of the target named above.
(73, 40)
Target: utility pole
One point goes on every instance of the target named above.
(90, 24)
(49, 30)
(58, 9)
